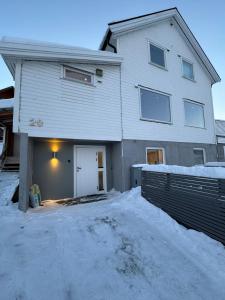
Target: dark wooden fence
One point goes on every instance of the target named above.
(196, 202)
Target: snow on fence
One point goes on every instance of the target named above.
(197, 202)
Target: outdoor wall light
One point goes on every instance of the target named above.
(54, 154)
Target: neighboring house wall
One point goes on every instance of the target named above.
(220, 135)
(136, 70)
(221, 148)
(7, 93)
(69, 109)
(221, 152)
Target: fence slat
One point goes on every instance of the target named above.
(196, 202)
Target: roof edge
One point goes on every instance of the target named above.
(141, 16)
(43, 50)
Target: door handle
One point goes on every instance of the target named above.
(78, 168)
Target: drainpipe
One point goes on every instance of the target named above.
(110, 45)
(114, 48)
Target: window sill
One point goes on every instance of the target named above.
(77, 81)
(156, 121)
(158, 66)
(193, 80)
(195, 126)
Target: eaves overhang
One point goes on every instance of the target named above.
(13, 51)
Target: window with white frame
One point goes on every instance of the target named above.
(155, 156)
(157, 55)
(187, 69)
(199, 156)
(155, 106)
(194, 114)
(78, 75)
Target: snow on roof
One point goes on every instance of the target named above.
(11, 48)
(6, 103)
(18, 40)
(202, 171)
(220, 127)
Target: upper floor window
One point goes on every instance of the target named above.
(157, 55)
(155, 106)
(78, 75)
(188, 70)
(194, 114)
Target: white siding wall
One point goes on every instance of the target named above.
(136, 70)
(69, 109)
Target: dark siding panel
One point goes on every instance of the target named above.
(196, 202)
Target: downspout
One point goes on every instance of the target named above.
(109, 44)
(114, 48)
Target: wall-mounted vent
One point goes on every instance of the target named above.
(99, 72)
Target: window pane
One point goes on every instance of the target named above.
(198, 157)
(155, 106)
(157, 55)
(100, 159)
(188, 70)
(194, 114)
(76, 75)
(154, 156)
(100, 181)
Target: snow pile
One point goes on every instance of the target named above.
(202, 171)
(8, 184)
(215, 164)
(118, 249)
(6, 103)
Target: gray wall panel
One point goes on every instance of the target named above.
(176, 154)
(59, 182)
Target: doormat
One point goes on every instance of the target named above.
(82, 200)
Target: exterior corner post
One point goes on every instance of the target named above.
(24, 173)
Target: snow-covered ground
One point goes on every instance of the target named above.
(8, 184)
(118, 249)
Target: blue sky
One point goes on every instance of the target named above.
(83, 23)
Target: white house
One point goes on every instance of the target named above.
(85, 116)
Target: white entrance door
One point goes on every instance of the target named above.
(90, 171)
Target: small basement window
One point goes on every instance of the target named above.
(78, 75)
(199, 156)
(188, 70)
(155, 156)
(155, 106)
(157, 55)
